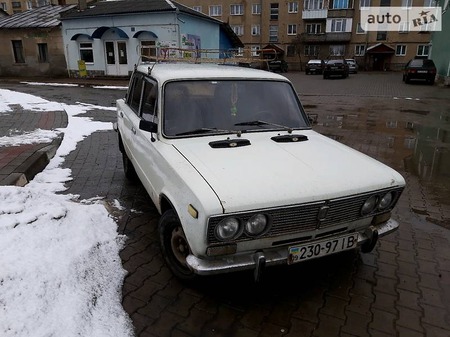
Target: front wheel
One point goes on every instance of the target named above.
(174, 245)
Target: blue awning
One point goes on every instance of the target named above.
(76, 36)
(153, 35)
(98, 33)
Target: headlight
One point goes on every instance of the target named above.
(228, 229)
(386, 201)
(256, 225)
(369, 205)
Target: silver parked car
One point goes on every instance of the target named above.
(352, 66)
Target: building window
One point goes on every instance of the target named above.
(381, 36)
(197, 8)
(274, 11)
(359, 29)
(290, 50)
(312, 50)
(360, 50)
(422, 50)
(43, 52)
(365, 3)
(338, 25)
(236, 9)
(313, 28)
(406, 3)
(256, 30)
(256, 9)
(292, 29)
(400, 50)
(403, 27)
(215, 10)
(18, 51)
(255, 50)
(148, 48)
(86, 52)
(16, 4)
(429, 3)
(337, 50)
(385, 3)
(3, 6)
(29, 5)
(238, 30)
(292, 7)
(340, 4)
(273, 33)
(313, 4)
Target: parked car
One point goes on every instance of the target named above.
(314, 67)
(336, 68)
(352, 66)
(278, 65)
(229, 159)
(419, 69)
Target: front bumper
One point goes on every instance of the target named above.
(274, 256)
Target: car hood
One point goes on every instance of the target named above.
(269, 174)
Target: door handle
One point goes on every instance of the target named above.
(121, 113)
(133, 130)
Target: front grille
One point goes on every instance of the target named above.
(297, 219)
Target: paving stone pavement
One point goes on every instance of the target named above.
(402, 288)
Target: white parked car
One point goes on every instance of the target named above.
(241, 180)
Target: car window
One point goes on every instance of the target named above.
(134, 97)
(149, 99)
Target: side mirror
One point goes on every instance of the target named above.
(148, 126)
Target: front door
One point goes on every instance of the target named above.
(116, 58)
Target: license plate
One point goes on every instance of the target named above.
(422, 71)
(321, 248)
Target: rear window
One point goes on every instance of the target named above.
(422, 63)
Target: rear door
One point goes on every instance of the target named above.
(128, 114)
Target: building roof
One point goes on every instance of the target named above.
(120, 7)
(41, 17)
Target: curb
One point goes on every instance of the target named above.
(33, 165)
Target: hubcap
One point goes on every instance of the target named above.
(180, 247)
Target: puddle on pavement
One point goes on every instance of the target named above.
(406, 135)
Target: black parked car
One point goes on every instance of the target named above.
(278, 65)
(335, 68)
(420, 69)
(314, 67)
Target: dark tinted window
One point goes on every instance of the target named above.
(134, 97)
(149, 100)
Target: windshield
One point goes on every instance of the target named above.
(228, 106)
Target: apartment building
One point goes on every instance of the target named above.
(310, 29)
(18, 6)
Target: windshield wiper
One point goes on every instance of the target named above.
(202, 130)
(260, 123)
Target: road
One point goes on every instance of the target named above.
(402, 288)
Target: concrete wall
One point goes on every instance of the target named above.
(56, 65)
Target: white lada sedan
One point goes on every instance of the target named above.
(241, 180)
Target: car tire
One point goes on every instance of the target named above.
(431, 82)
(407, 80)
(128, 168)
(325, 76)
(174, 245)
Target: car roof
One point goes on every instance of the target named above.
(164, 72)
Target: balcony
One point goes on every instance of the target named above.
(315, 14)
(325, 37)
(341, 13)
